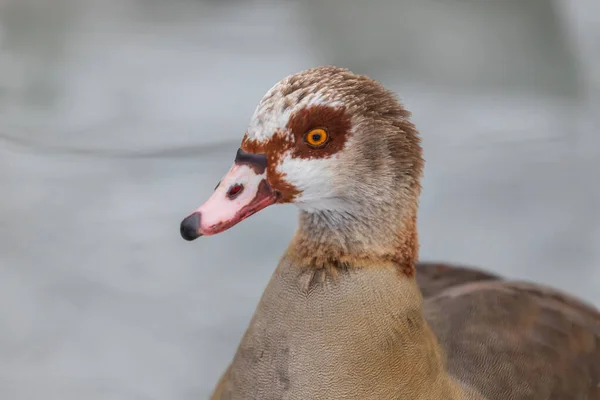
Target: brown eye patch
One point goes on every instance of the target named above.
(334, 121)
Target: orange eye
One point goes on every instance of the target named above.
(316, 137)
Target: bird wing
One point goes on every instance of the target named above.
(433, 278)
(516, 340)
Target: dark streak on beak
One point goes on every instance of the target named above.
(258, 162)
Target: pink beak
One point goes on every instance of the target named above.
(243, 191)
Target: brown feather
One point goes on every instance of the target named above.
(344, 317)
(433, 278)
(517, 340)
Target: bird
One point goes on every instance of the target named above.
(350, 312)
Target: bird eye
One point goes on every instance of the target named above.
(316, 137)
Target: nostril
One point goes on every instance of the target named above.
(234, 191)
(190, 227)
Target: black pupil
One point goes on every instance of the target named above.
(316, 137)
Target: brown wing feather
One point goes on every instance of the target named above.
(515, 340)
(433, 278)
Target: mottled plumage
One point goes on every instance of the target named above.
(346, 314)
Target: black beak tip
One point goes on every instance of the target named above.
(190, 227)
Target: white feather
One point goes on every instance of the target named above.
(315, 180)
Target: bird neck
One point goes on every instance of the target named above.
(373, 236)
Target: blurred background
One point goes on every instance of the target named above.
(118, 117)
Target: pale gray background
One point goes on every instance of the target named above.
(118, 117)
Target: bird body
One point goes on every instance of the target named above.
(359, 334)
(346, 314)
